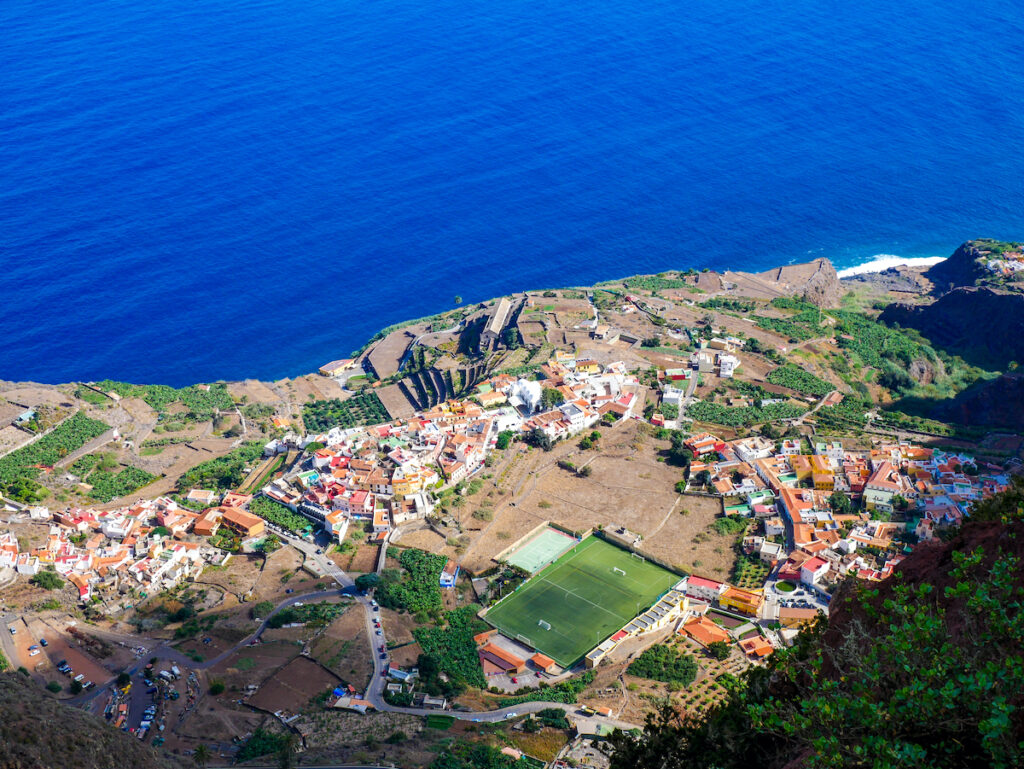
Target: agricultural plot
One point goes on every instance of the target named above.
(19, 469)
(580, 599)
(362, 409)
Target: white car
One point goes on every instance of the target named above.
(33, 653)
(298, 603)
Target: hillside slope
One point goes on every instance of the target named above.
(37, 732)
(982, 325)
(924, 669)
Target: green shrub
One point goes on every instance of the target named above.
(664, 663)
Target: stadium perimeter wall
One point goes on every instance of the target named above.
(613, 540)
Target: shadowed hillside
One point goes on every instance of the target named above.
(37, 732)
(924, 669)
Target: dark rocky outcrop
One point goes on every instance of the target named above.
(992, 403)
(964, 268)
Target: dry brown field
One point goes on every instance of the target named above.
(293, 686)
(628, 486)
(344, 648)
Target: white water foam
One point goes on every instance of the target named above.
(880, 262)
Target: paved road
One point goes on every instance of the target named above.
(375, 691)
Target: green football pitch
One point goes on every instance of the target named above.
(580, 599)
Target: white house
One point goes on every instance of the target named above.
(727, 364)
(812, 571)
(701, 588)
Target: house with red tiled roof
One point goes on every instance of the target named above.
(813, 570)
(704, 631)
(756, 647)
(703, 589)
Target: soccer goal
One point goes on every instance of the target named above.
(525, 640)
(544, 625)
(617, 570)
(638, 557)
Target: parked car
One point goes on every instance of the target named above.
(378, 632)
(80, 677)
(289, 591)
(33, 653)
(44, 642)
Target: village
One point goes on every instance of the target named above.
(664, 485)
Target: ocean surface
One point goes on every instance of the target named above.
(192, 191)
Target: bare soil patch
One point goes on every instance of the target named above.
(293, 686)
(344, 648)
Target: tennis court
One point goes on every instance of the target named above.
(541, 550)
(580, 599)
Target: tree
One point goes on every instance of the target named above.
(703, 478)
(313, 446)
(510, 337)
(550, 398)
(840, 503)
(47, 580)
(201, 755)
(76, 687)
(584, 472)
(123, 679)
(537, 437)
(216, 687)
(651, 341)
(270, 544)
(504, 439)
(719, 650)
(366, 582)
(54, 687)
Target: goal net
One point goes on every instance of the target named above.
(617, 570)
(525, 640)
(638, 557)
(544, 625)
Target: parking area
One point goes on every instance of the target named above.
(61, 647)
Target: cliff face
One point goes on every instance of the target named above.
(996, 403)
(815, 282)
(964, 268)
(983, 326)
(37, 732)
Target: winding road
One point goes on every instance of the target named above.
(375, 691)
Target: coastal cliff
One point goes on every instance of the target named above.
(982, 325)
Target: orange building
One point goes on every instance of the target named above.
(242, 523)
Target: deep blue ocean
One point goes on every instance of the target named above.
(194, 190)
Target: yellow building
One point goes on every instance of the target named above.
(824, 481)
(745, 601)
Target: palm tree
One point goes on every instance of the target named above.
(201, 755)
(286, 754)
